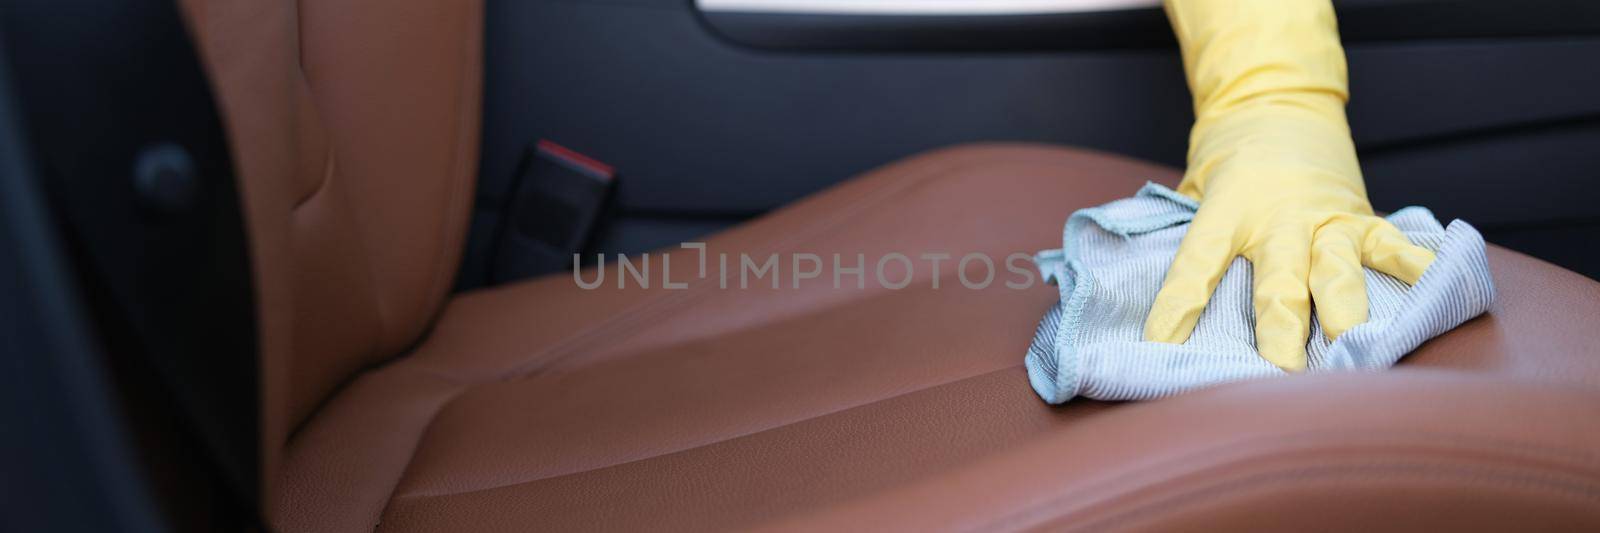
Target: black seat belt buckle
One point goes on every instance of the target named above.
(558, 200)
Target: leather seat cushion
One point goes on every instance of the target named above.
(545, 406)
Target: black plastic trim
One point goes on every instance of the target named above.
(1359, 20)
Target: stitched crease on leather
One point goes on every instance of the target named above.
(710, 442)
(1303, 442)
(1154, 510)
(416, 443)
(328, 168)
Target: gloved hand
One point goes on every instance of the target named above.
(1273, 166)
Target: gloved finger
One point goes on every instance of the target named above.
(1281, 266)
(1387, 250)
(1338, 283)
(1202, 259)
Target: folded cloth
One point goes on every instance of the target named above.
(1110, 266)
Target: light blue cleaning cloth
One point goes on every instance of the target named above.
(1111, 265)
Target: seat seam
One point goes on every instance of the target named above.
(1481, 475)
(322, 184)
(1308, 441)
(304, 84)
(726, 438)
(416, 443)
(1516, 449)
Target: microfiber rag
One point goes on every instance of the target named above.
(1111, 264)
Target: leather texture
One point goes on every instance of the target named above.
(354, 132)
(542, 406)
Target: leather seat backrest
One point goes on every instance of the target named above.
(354, 131)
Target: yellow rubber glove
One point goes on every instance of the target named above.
(1274, 168)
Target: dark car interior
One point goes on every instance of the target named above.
(1479, 110)
(276, 266)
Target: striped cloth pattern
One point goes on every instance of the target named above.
(1111, 264)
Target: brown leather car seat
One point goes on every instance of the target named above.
(390, 404)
